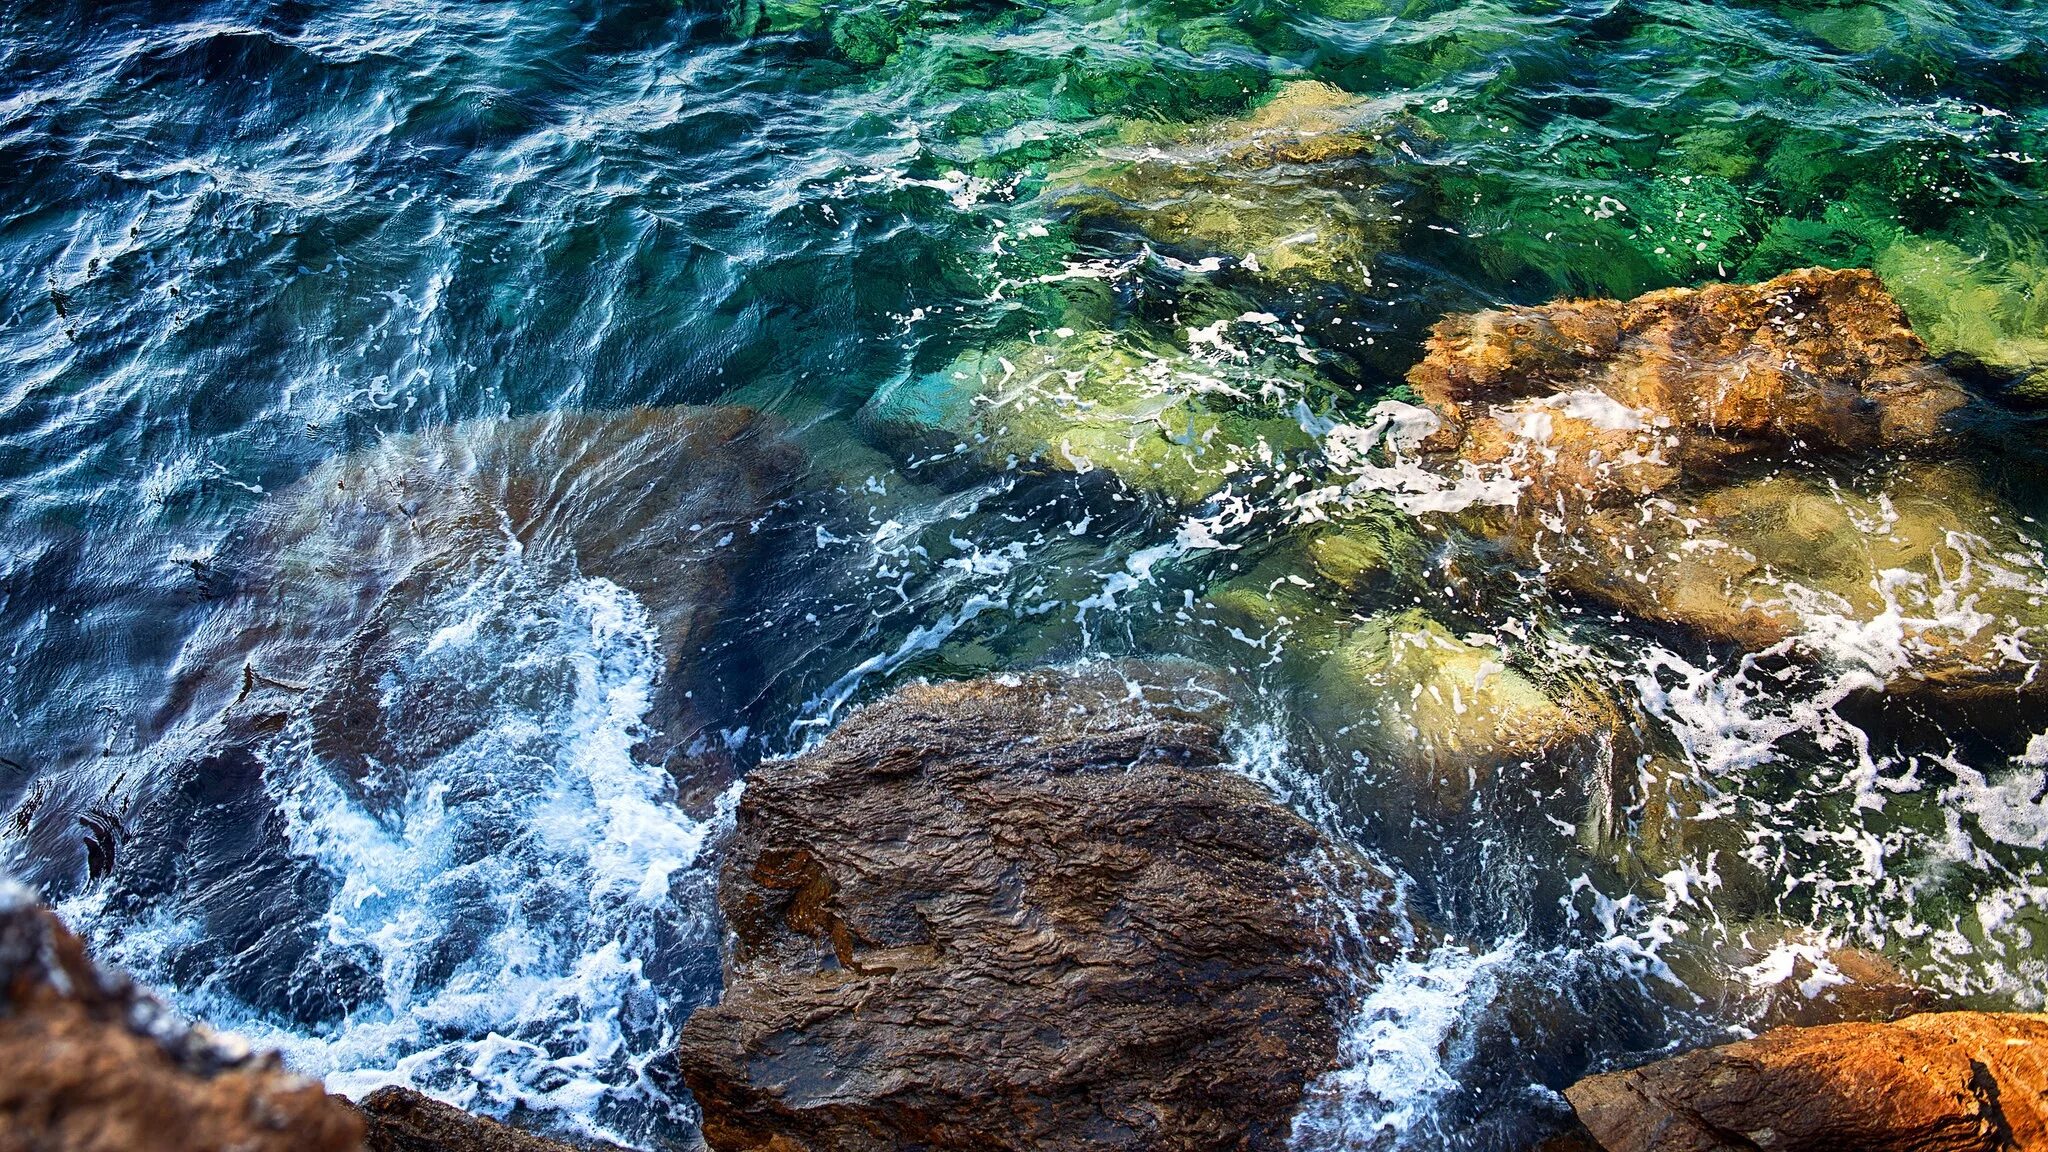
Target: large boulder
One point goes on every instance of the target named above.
(1028, 912)
(89, 1063)
(1940, 1082)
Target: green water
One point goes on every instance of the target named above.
(1062, 302)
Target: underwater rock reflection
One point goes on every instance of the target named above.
(437, 776)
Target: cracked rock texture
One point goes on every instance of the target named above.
(1027, 912)
(1940, 1082)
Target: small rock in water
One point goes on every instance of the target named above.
(1028, 911)
(1940, 1082)
(1448, 718)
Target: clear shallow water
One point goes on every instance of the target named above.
(241, 241)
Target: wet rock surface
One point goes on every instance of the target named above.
(89, 1063)
(401, 1120)
(1614, 399)
(1027, 912)
(1930, 1083)
(1755, 463)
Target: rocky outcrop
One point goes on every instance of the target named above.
(1027, 912)
(1941, 1082)
(401, 1120)
(88, 1063)
(1600, 401)
(1686, 457)
(91, 1063)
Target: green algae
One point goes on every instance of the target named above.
(1287, 191)
(1074, 400)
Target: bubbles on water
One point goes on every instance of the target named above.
(530, 906)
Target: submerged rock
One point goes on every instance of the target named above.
(1941, 1082)
(1287, 191)
(1158, 418)
(351, 581)
(1444, 718)
(89, 1063)
(1921, 576)
(1028, 912)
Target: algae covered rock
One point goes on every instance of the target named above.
(1444, 718)
(1923, 575)
(1989, 311)
(1154, 415)
(1029, 911)
(1288, 191)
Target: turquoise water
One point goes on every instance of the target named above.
(244, 241)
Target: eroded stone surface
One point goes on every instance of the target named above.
(401, 1120)
(1026, 912)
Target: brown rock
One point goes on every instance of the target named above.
(90, 1064)
(1941, 1082)
(1623, 425)
(401, 1120)
(1025, 912)
(1818, 357)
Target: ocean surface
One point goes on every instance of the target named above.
(275, 277)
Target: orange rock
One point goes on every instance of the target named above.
(1940, 1082)
(1819, 356)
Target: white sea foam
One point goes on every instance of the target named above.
(1396, 1052)
(511, 902)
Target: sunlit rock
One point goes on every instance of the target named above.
(1029, 911)
(1637, 439)
(90, 1063)
(1966, 1081)
(1623, 398)
(1287, 191)
(1923, 575)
